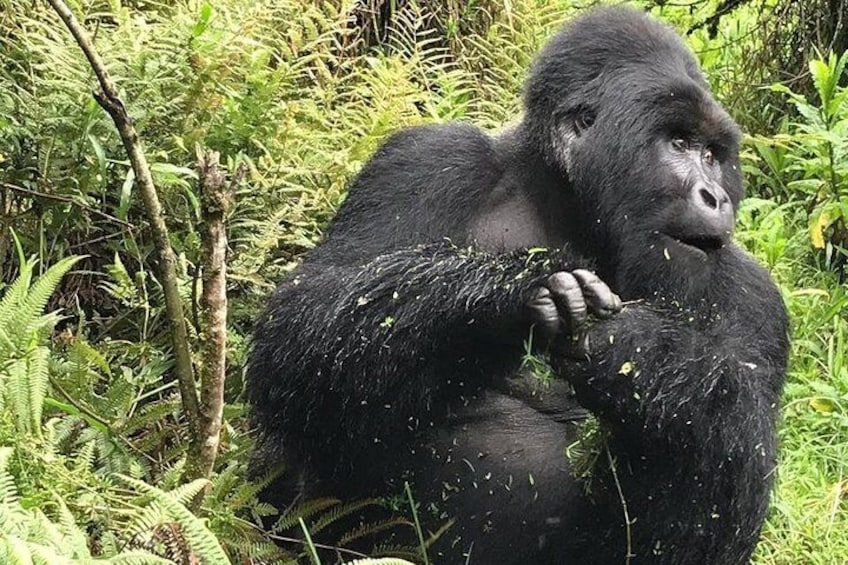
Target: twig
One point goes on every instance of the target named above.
(287, 539)
(111, 102)
(627, 532)
(67, 200)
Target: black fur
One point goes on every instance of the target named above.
(391, 353)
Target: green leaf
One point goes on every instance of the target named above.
(822, 405)
(819, 222)
(101, 157)
(202, 20)
(126, 195)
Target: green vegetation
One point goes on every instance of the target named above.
(93, 435)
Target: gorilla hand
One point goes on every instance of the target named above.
(565, 300)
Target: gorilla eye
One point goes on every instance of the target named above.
(680, 144)
(708, 157)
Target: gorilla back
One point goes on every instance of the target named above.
(392, 353)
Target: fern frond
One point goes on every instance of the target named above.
(82, 353)
(197, 535)
(26, 388)
(303, 510)
(151, 413)
(184, 494)
(146, 519)
(84, 458)
(340, 512)
(16, 293)
(139, 558)
(16, 550)
(47, 554)
(28, 313)
(395, 551)
(250, 490)
(380, 561)
(8, 490)
(73, 536)
(371, 528)
(37, 381)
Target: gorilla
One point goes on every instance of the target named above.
(596, 231)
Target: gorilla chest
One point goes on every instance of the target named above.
(510, 221)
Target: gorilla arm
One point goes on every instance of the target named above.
(689, 391)
(347, 357)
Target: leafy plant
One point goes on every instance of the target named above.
(23, 332)
(810, 160)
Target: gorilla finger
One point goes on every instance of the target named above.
(568, 296)
(602, 301)
(576, 348)
(580, 347)
(543, 312)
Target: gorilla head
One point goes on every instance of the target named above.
(618, 104)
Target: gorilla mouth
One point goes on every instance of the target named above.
(705, 243)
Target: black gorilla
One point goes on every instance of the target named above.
(391, 353)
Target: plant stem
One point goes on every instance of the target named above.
(111, 102)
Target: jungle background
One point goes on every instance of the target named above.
(282, 101)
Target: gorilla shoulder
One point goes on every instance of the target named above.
(418, 187)
(420, 159)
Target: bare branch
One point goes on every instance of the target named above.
(67, 200)
(215, 198)
(111, 102)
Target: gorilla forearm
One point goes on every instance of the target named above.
(691, 420)
(369, 346)
(662, 375)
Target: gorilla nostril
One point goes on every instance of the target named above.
(708, 198)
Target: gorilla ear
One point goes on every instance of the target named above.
(582, 120)
(568, 130)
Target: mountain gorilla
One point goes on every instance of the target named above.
(392, 353)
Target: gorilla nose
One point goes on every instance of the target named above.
(709, 213)
(711, 200)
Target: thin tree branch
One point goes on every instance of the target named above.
(67, 200)
(91, 417)
(215, 199)
(111, 102)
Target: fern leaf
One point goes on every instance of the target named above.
(184, 494)
(46, 554)
(303, 510)
(17, 392)
(8, 491)
(29, 311)
(147, 519)
(371, 528)
(202, 541)
(43, 531)
(74, 537)
(139, 558)
(83, 353)
(84, 459)
(37, 379)
(381, 561)
(395, 551)
(15, 294)
(251, 490)
(340, 512)
(17, 551)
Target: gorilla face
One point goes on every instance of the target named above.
(664, 162)
(649, 154)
